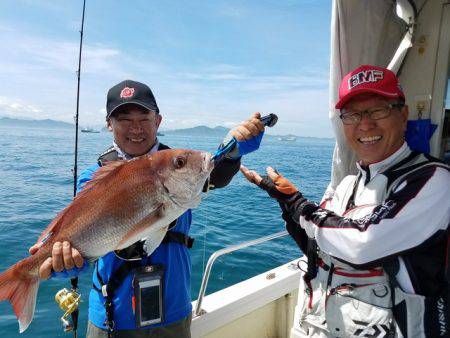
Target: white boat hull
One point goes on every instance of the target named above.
(262, 306)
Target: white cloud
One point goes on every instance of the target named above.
(300, 101)
(41, 54)
(39, 74)
(17, 108)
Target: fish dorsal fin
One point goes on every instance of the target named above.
(102, 173)
(105, 171)
(97, 177)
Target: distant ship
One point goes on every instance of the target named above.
(287, 138)
(89, 130)
(159, 134)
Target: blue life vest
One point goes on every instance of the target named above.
(177, 286)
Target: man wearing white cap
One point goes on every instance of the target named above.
(377, 249)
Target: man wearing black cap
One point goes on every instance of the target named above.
(133, 116)
(115, 309)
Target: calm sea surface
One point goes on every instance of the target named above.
(36, 183)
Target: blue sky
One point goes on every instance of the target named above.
(207, 62)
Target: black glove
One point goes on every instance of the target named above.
(287, 195)
(290, 199)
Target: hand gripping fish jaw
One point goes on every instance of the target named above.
(268, 121)
(68, 301)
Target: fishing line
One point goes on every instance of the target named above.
(205, 227)
(268, 121)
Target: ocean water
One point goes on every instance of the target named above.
(36, 183)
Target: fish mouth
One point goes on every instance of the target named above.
(208, 163)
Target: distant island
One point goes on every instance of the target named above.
(47, 123)
(218, 131)
(198, 131)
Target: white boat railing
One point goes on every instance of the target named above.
(218, 253)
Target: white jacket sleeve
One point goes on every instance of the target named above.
(415, 211)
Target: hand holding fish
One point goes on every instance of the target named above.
(65, 261)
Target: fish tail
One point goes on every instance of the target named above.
(20, 288)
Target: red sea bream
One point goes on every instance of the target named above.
(124, 202)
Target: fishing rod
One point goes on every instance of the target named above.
(75, 166)
(69, 300)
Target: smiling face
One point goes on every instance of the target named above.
(375, 140)
(134, 129)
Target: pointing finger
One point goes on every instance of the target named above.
(251, 175)
(246, 172)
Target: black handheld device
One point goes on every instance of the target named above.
(148, 295)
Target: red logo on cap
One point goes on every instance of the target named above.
(127, 92)
(364, 76)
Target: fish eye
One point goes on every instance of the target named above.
(179, 162)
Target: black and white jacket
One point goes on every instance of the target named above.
(396, 208)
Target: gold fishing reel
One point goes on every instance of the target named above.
(68, 301)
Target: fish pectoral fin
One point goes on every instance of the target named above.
(135, 234)
(154, 239)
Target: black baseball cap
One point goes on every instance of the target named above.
(130, 92)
